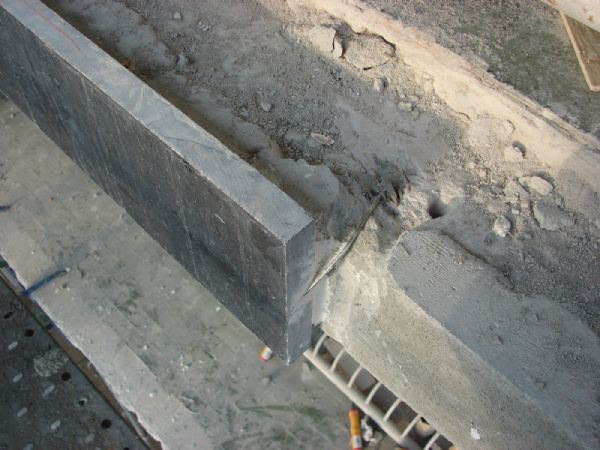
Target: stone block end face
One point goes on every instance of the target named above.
(260, 276)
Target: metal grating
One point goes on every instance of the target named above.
(47, 402)
(405, 426)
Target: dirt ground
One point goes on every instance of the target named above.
(522, 43)
(333, 132)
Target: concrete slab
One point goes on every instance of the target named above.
(164, 345)
(228, 225)
(489, 368)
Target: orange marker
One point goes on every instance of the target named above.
(356, 438)
(265, 354)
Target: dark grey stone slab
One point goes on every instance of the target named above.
(237, 233)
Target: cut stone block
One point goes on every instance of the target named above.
(237, 233)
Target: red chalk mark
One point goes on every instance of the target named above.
(45, 19)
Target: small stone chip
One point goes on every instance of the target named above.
(551, 217)
(537, 184)
(502, 226)
(177, 15)
(322, 139)
(378, 85)
(323, 37)
(366, 51)
(338, 47)
(182, 61)
(513, 154)
(266, 106)
(405, 106)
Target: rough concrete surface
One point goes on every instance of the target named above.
(165, 346)
(445, 145)
(492, 368)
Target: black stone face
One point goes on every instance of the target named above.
(238, 234)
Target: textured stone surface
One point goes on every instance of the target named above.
(249, 243)
(448, 335)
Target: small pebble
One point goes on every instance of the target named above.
(177, 15)
(378, 85)
(405, 106)
(551, 217)
(322, 139)
(513, 154)
(338, 48)
(55, 425)
(266, 106)
(265, 381)
(537, 184)
(182, 61)
(502, 226)
(22, 412)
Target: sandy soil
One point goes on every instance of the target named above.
(522, 43)
(333, 132)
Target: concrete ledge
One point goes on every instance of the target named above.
(238, 234)
(487, 367)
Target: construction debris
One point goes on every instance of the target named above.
(322, 37)
(536, 184)
(365, 51)
(513, 154)
(502, 226)
(182, 61)
(586, 43)
(378, 85)
(338, 47)
(322, 139)
(266, 106)
(551, 217)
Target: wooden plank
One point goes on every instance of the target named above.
(585, 11)
(586, 43)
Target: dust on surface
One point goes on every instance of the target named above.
(334, 129)
(522, 43)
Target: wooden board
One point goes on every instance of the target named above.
(586, 43)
